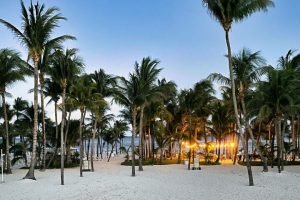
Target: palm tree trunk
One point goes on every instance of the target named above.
(30, 173)
(161, 152)
(98, 145)
(43, 120)
(141, 140)
(114, 143)
(294, 137)
(62, 145)
(237, 136)
(66, 138)
(272, 145)
(153, 141)
(81, 141)
(256, 143)
(179, 151)
(250, 176)
(219, 150)
(56, 137)
(132, 142)
(92, 150)
(283, 152)
(7, 157)
(278, 141)
(190, 139)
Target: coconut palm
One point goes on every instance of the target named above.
(105, 83)
(248, 67)
(290, 64)
(43, 65)
(37, 28)
(65, 66)
(12, 69)
(147, 74)
(275, 100)
(188, 102)
(80, 92)
(97, 106)
(130, 96)
(221, 120)
(19, 107)
(52, 90)
(226, 12)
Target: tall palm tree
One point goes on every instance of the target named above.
(248, 67)
(65, 66)
(147, 74)
(43, 66)
(52, 90)
(80, 92)
(290, 64)
(12, 69)
(37, 28)
(226, 12)
(221, 120)
(129, 96)
(188, 102)
(97, 106)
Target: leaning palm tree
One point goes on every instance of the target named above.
(226, 12)
(65, 66)
(37, 28)
(12, 69)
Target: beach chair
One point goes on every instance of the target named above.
(196, 165)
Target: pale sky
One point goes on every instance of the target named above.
(113, 34)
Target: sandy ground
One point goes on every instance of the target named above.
(113, 181)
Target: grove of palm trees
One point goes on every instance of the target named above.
(84, 132)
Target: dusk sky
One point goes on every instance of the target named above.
(113, 34)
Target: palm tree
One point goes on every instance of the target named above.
(80, 92)
(12, 69)
(290, 64)
(188, 102)
(248, 67)
(19, 107)
(226, 12)
(52, 90)
(147, 73)
(65, 66)
(37, 28)
(129, 96)
(105, 83)
(97, 105)
(43, 66)
(221, 120)
(118, 129)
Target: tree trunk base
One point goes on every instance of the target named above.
(30, 175)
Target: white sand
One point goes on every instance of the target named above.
(112, 181)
